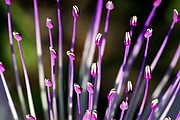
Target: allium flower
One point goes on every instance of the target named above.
(53, 84)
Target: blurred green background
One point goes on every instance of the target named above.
(23, 22)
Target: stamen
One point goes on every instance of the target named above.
(129, 88)
(176, 16)
(75, 11)
(133, 21)
(157, 3)
(8, 2)
(30, 117)
(49, 23)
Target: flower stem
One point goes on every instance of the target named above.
(28, 87)
(150, 116)
(50, 104)
(40, 62)
(19, 88)
(79, 106)
(10, 101)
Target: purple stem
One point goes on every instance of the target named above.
(70, 97)
(73, 35)
(10, 101)
(79, 106)
(98, 85)
(28, 87)
(50, 105)
(90, 105)
(19, 88)
(130, 110)
(131, 31)
(109, 110)
(170, 102)
(60, 66)
(50, 37)
(178, 115)
(40, 62)
(151, 114)
(144, 100)
(123, 111)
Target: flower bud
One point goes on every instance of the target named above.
(157, 3)
(53, 52)
(127, 39)
(94, 69)
(98, 39)
(2, 68)
(90, 87)
(176, 16)
(29, 117)
(87, 115)
(49, 23)
(129, 88)
(147, 73)
(48, 83)
(167, 118)
(8, 2)
(133, 21)
(111, 94)
(124, 105)
(148, 33)
(75, 11)
(71, 55)
(109, 5)
(94, 115)
(77, 88)
(154, 104)
(17, 36)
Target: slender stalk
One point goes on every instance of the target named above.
(78, 91)
(60, 65)
(79, 106)
(144, 101)
(122, 114)
(10, 101)
(170, 102)
(150, 116)
(109, 110)
(178, 115)
(40, 62)
(28, 87)
(19, 88)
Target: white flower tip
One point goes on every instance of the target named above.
(148, 33)
(30, 117)
(77, 88)
(8, 2)
(147, 73)
(75, 11)
(94, 69)
(94, 115)
(133, 21)
(110, 5)
(53, 52)
(87, 115)
(157, 3)
(90, 87)
(17, 36)
(111, 94)
(48, 83)
(2, 68)
(167, 118)
(98, 39)
(71, 55)
(154, 104)
(49, 23)
(127, 39)
(176, 16)
(124, 105)
(129, 87)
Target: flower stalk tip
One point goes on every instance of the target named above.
(30, 117)
(2, 68)
(90, 87)
(111, 94)
(94, 69)
(94, 115)
(154, 104)
(49, 23)
(124, 105)
(75, 11)
(17, 36)
(176, 16)
(8, 2)
(148, 33)
(127, 39)
(110, 5)
(77, 88)
(129, 88)
(147, 73)
(53, 52)
(71, 55)
(157, 3)
(133, 21)
(48, 83)
(99, 39)
(167, 118)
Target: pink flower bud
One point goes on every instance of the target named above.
(124, 105)
(94, 69)
(17, 36)
(75, 11)
(147, 73)
(154, 104)
(71, 55)
(2, 68)
(48, 83)
(176, 16)
(129, 88)
(90, 87)
(77, 88)
(167, 118)
(157, 3)
(53, 52)
(94, 115)
(111, 94)
(109, 5)
(8, 2)
(133, 21)
(87, 115)
(29, 117)
(127, 39)
(49, 23)
(98, 39)
(148, 33)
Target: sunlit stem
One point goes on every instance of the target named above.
(50, 103)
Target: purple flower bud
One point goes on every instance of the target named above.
(109, 5)
(129, 88)
(127, 39)
(133, 21)
(111, 94)
(53, 52)
(71, 55)
(124, 105)
(98, 39)
(87, 115)
(176, 16)
(90, 87)
(167, 118)
(147, 73)
(48, 83)
(8, 2)
(75, 11)
(157, 3)
(2, 68)
(17, 36)
(49, 23)
(77, 88)
(148, 33)
(94, 69)
(154, 104)
(30, 117)
(94, 115)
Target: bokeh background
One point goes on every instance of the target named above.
(23, 22)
